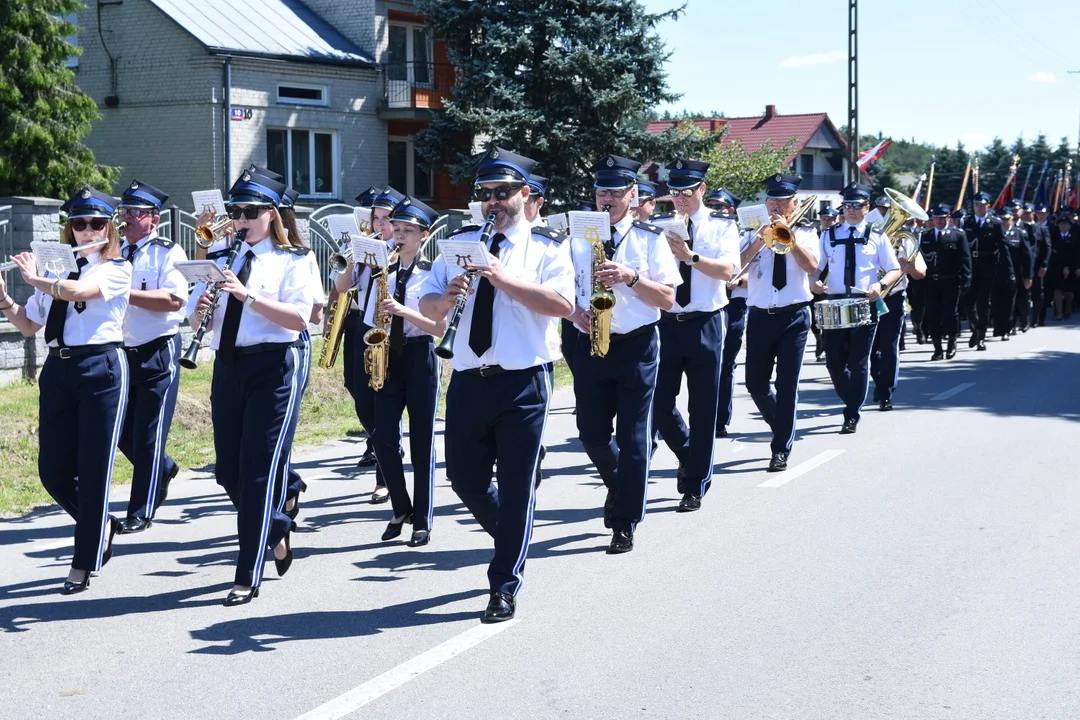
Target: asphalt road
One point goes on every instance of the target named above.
(926, 567)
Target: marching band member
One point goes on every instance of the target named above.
(826, 219)
(855, 252)
(646, 197)
(1011, 272)
(948, 273)
(987, 240)
(885, 351)
(537, 195)
(413, 379)
(265, 304)
(1041, 229)
(778, 299)
(83, 385)
(1063, 263)
(497, 402)
(726, 202)
(692, 331)
(618, 387)
(152, 342)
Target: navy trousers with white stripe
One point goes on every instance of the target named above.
(694, 348)
(847, 357)
(152, 387)
(733, 340)
(498, 419)
(295, 483)
(253, 402)
(885, 352)
(82, 402)
(413, 380)
(776, 340)
(615, 394)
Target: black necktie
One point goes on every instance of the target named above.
(233, 310)
(129, 253)
(682, 293)
(54, 324)
(779, 271)
(849, 259)
(397, 325)
(609, 244)
(484, 307)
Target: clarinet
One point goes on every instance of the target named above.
(445, 350)
(188, 361)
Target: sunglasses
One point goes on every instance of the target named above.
(80, 225)
(686, 192)
(502, 192)
(853, 204)
(607, 192)
(136, 212)
(248, 212)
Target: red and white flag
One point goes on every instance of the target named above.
(874, 153)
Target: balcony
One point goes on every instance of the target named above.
(412, 89)
(832, 182)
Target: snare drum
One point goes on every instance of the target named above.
(842, 313)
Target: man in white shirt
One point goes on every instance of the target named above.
(616, 388)
(507, 339)
(646, 198)
(854, 253)
(692, 332)
(537, 197)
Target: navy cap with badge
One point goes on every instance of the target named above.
(613, 172)
(857, 192)
(265, 172)
(538, 185)
(288, 199)
(1042, 207)
(253, 189)
(501, 165)
(367, 198)
(89, 202)
(1005, 212)
(940, 211)
(387, 199)
(684, 174)
(646, 191)
(410, 210)
(725, 196)
(141, 195)
(882, 201)
(982, 198)
(958, 215)
(1029, 207)
(829, 212)
(1065, 214)
(781, 185)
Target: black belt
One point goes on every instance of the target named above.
(492, 370)
(74, 351)
(619, 337)
(782, 309)
(151, 347)
(688, 316)
(417, 339)
(267, 347)
(941, 276)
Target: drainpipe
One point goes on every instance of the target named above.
(227, 101)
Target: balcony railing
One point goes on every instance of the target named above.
(417, 84)
(828, 181)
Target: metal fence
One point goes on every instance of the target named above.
(7, 237)
(417, 84)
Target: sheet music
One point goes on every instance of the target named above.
(363, 219)
(589, 226)
(343, 228)
(55, 257)
(370, 251)
(208, 201)
(558, 221)
(673, 225)
(752, 217)
(201, 271)
(475, 211)
(464, 253)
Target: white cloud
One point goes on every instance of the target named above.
(813, 60)
(1042, 77)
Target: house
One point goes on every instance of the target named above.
(819, 154)
(326, 92)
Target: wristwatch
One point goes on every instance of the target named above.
(694, 259)
(250, 300)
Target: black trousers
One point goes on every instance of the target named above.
(363, 394)
(776, 340)
(847, 357)
(1003, 304)
(885, 353)
(733, 341)
(977, 300)
(942, 300)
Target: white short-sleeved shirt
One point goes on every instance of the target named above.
(870, 257)
(715, 237)
(94, 322)
(638, 248)
(520, 338)
(281, 274)
(153, 267)
(760, 292)
(315, 279)
(413, 288)
(745, 239)
(907, 247)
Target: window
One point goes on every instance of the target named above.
(73, 60)
(806, 164)
(409, 53)
(302, 95)
(404, 173)
(307, 158)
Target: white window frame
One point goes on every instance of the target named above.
(410, 168)
(72, 61)
(324, 102)
(410, 51)
(335, 151)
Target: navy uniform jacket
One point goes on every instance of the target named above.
(1018, 261)
(987, 244)
(947, 257)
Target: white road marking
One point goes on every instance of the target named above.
(801, 469)
(375, 688)
(954, 391)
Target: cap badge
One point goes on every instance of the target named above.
(246, 177)
(134, 186)
(778, 177)
(678, 165)
(494, 154)
(611, 162)
(85, 194)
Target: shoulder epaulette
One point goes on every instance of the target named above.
(215, 254)
(464, 229)
(648, 227)
(424, 265)
(118, 260)
(550, 233)
(298, 250)
(163, 242)
(662, 216)
(722, 215)
(804, 222)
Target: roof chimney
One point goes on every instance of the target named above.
(770, 112)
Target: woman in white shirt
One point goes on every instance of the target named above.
(83, 384)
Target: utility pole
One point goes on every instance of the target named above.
(853, 91)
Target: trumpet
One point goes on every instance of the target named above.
(445, 350)
(778, 236)
(209, 233)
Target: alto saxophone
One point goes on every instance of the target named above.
(601, 299)
(377, 353)
(335, 322)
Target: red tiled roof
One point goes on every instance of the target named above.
(754, 131)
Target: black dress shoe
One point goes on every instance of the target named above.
(689, 503)
(164, 492)
(721, 432)
(1004, 338)
(622, 541)
(240, 598)
(849, 427)
(393, 529)
(609, 507)
(980, 346)
(378, 498)
(133, 525)
(74, 588)
(885, 406)
(778, 462)
(367, 459)
(115, 526)
(539, 471)
(285, 563)
(499, 609)
(295, 508)
(938, 355)
(420, 538)
(973, 340)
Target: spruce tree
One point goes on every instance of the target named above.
(43, 114)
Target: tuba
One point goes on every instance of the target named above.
(601, 298)
(779, 236)
(901, 209)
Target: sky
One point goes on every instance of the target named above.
(934, 71)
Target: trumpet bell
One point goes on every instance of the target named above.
(901, 209)
(207, 235)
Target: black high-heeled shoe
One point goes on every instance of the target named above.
(393, 529)
(285, 563)
(241, 598)
(73, 588)
(420, 538)
(115, 526)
